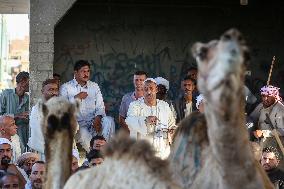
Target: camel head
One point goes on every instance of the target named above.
(58, 114)
(221, 66)
(59, 126)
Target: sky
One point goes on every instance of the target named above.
(17, 25)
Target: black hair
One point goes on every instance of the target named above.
(271, 149)
(189, 78)
(81, 63)
(191, 68)
(140, 72)
(56, 75)
(96, 137)
(93, 154)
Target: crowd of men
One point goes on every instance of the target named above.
(145, 113)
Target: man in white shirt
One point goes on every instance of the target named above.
(151, 119)
(92, 109)
(36, 140)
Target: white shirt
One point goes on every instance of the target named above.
(36, 140)
(136, 115)
(16, 146)
(188, 109)
(91, 106)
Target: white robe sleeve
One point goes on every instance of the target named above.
(172, 120)
(135, 122)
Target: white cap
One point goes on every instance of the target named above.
(199, 99)
(163, 81)
(75, 153)
(150, 79)
(5, 141)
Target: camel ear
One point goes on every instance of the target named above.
(43, 108)
(199, 50)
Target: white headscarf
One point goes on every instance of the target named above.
(162, 81)
(5, 141)
(199, 99)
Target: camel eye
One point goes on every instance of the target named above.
(226, 37)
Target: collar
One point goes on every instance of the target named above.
(77, 84)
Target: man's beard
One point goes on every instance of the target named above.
(37, 184)
(5, 160)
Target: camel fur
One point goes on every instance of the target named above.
(59, 126)
(128, 164)
(230, 163)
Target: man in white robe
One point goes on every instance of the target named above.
(36, 140)
(151, 119)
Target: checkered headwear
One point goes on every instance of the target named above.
(270, 90)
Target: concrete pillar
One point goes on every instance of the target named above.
(44, 15)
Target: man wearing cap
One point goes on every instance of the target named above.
(163, 88)
(150, 118)
(272, 107)
(26, 161)
(5, 159)
(16, 102)
(138, 79)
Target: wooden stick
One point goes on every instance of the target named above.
(270, 71)
(275, 133)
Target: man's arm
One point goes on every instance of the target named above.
(123, 124)
(2, 103)
(100, 106)
(99, 111)
(123, 114)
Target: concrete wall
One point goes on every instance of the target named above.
(119, 40)
(43, 17)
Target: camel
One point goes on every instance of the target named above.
(189, 150)
(230, 163)
(202, 157)
(59, 126)
(128, 164)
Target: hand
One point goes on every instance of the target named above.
(258, 133)
(152, 120)
(97, 124)
(23, 115)
(81, 95)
